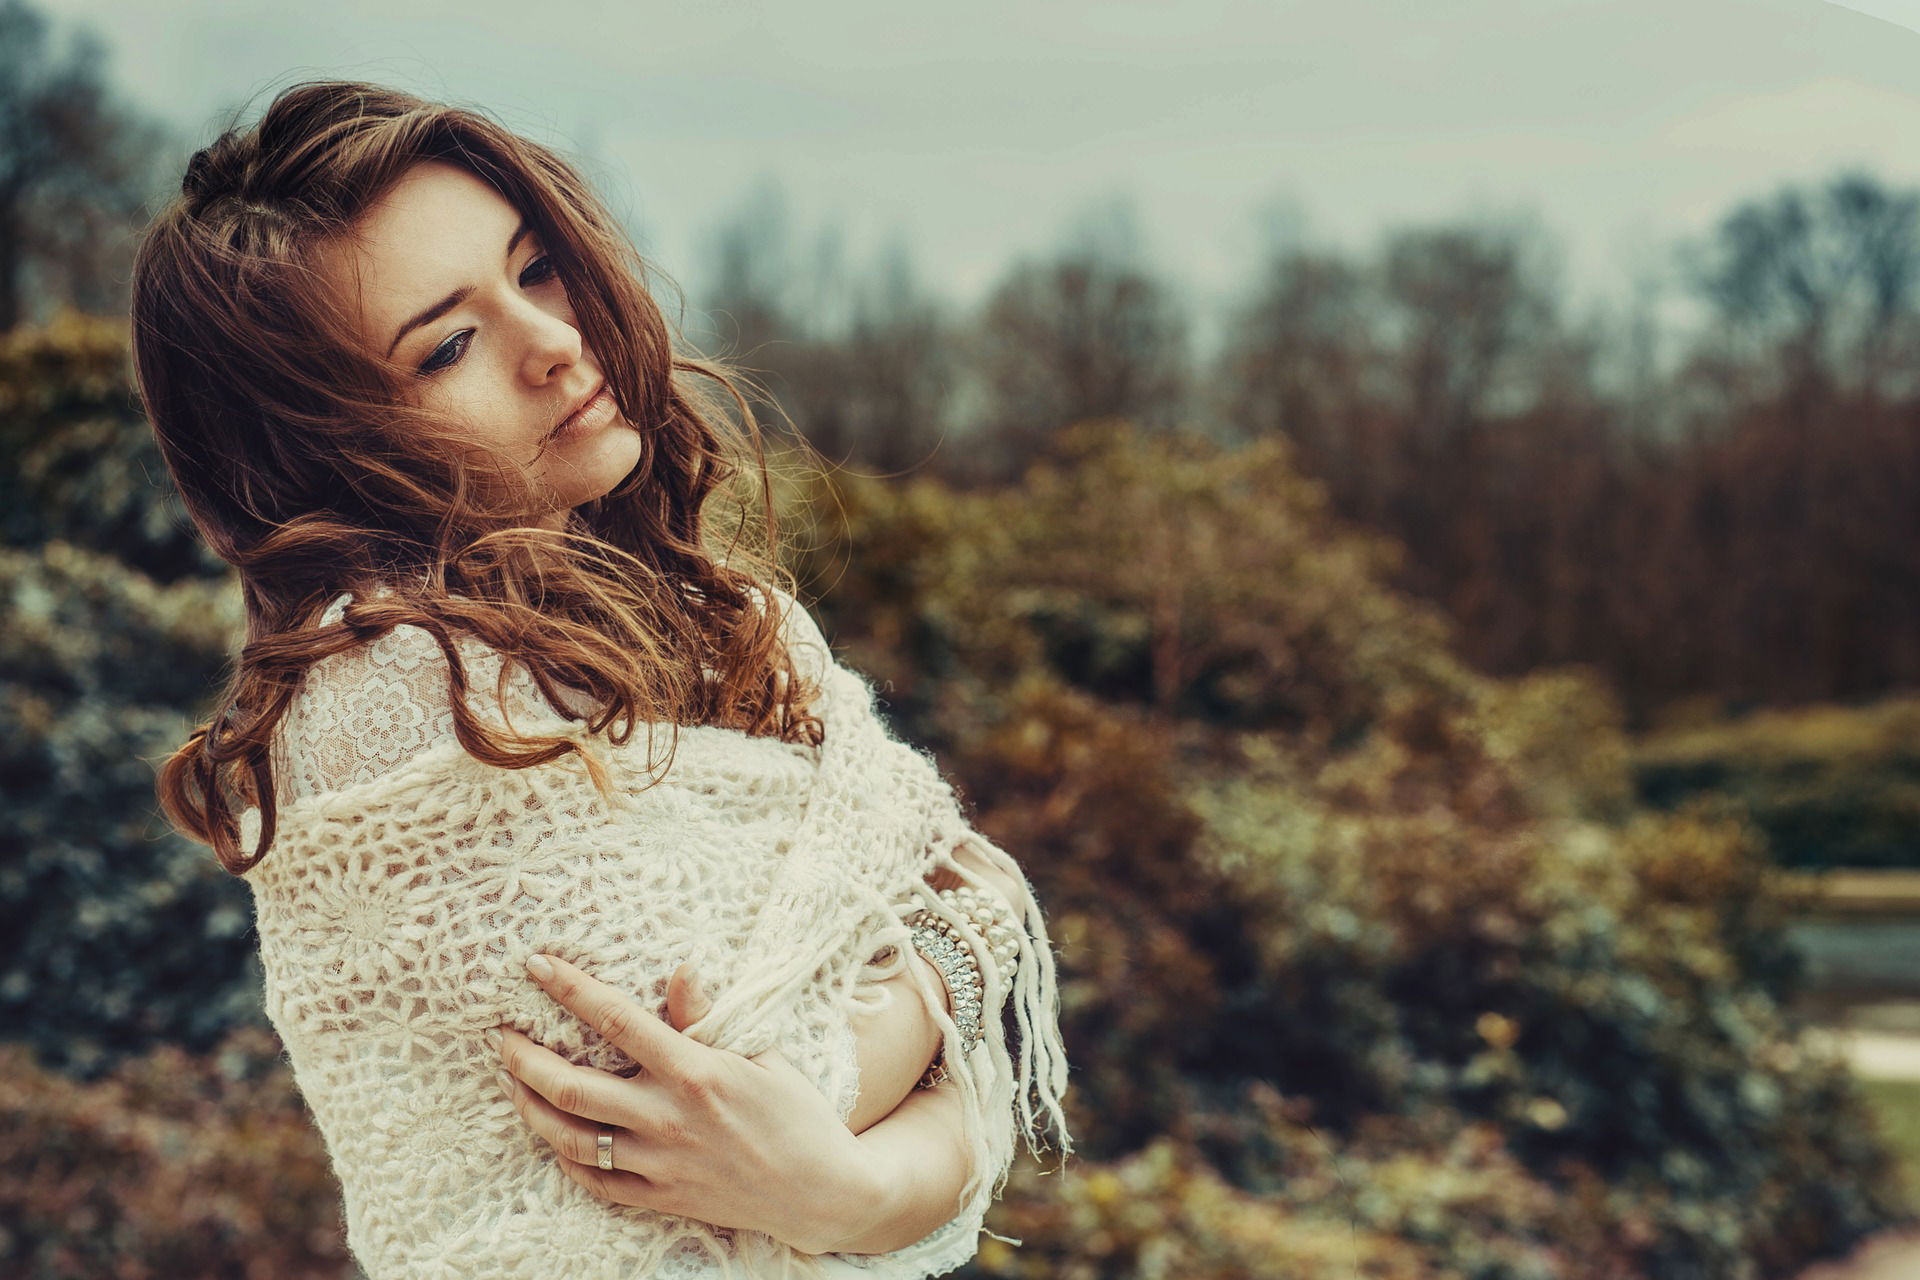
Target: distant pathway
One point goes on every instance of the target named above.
(1867, 934)
(1875, 1055)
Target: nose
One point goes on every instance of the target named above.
(552, 343)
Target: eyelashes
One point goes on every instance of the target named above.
(538, 272)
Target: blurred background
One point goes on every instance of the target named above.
(1404, 518)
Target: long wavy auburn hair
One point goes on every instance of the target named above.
(301, 462)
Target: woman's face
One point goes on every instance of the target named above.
(455, 289)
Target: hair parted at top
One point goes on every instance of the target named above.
(301, 463)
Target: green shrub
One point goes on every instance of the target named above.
(115, 932)
(1286, 840)
(78, 462)
(1829, 786)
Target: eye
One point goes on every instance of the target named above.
(539, 271)
(456, 345)
(448, 353)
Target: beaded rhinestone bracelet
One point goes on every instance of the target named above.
(948, 950)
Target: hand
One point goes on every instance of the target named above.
(701, 1132)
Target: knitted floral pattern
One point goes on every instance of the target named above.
(408, 882)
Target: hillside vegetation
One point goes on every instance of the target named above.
(1371, 965)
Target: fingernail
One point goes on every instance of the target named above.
(494, 1038)
(506, 1081)
(540, 967)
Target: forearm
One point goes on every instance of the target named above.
(920, 1168)
(894, 1044)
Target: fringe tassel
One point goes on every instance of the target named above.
(1042, 1069)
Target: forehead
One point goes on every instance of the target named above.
(438, 227)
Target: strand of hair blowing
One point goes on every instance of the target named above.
(301, 462)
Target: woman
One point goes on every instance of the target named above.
(407, 379)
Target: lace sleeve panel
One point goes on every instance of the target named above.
(366, 712)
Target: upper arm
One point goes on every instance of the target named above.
(813, 658)
(800, 631)
(969, 856)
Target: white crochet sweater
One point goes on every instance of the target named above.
(408, 882)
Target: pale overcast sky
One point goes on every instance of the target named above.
(984, 131)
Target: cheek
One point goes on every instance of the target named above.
(485, 426)
(483, 409)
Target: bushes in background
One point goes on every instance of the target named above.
(116, 933)
(1831, 786)
(1370, 964)
(81, 465)
(1287, 841)
(174, 1165)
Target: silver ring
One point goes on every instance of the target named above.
(606, 1146)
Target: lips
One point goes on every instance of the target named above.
(585, 400)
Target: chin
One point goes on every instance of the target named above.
(595, 465)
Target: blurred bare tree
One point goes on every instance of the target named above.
(1795, 496)
(1470, 316)
(1420, 387)
(1090, 333)
(1814, 292)
(881, 397)
(1297, 362)
(1466, 305)
(861, 359)
(751, 258)
(76, 171)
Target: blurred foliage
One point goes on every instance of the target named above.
(1831, 786)
(1286, 838)
(1370, 965)
(116, 627)
(176, 1165)
(81, 464)
(1405, 1199)
(139, 932)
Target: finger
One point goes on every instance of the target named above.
(629, 1025)
(687, 1003)
(571, 1136)
(687, 1000)
(616, 1187)
(591, 1095)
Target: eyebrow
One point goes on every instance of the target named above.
(452, 300)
